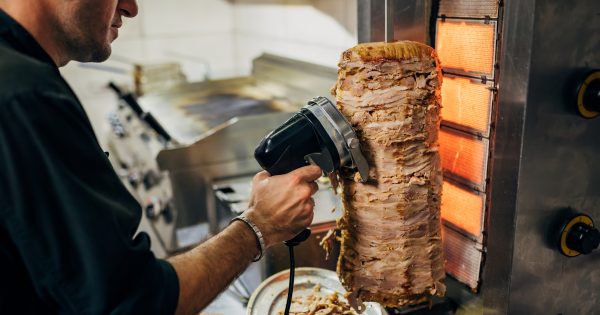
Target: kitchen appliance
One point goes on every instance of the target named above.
(318, 134)
(517, 142)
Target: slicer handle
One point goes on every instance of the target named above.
(288, 148)
(301, 237)
(288, 161)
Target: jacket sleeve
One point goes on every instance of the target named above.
(71, 220)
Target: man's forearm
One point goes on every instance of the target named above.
(208, 269)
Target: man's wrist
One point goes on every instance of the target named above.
(254, 230)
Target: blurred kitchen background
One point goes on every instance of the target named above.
(211, 40)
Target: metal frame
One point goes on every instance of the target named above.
(449, 7)
(513, 77)
(411, 20)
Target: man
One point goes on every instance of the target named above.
(67, 225)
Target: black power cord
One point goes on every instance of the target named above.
(290, 244)
(288, 302)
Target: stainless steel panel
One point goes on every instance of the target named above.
(514, 57)
(227, 151)
(293, 80)
(411, 20)
(170, 107)
(559, 165)
(543, 161)
(276, 84)
(230, 142)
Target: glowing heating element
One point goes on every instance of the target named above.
(463, 209)
(464, 156)
(463, 257)
(466, 103)
(467, 46)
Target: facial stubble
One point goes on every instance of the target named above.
(83, 38)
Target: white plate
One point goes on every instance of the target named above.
(270, 296)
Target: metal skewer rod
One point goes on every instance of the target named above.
(389, 21)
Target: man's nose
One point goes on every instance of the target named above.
(127, 8)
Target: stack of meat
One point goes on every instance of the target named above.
(391, 249)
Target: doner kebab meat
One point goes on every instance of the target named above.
(391, 247)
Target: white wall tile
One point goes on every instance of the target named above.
(128, 49)
(317, 54)
(308, 24)
(266, 19)
(162, 17)
(252, 46)
(351, 24)
(315, 31)
(195, 52)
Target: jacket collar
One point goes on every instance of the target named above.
(14, 35)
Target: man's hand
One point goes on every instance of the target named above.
(282, 206)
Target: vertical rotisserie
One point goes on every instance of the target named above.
(391, 249)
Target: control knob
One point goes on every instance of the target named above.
(155, 208)
(579, 236)
(588, 95)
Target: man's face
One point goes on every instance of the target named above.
(88, 27)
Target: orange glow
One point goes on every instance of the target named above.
(463, 256)
(466, 45)
(466, 103)
(462, 208)
(463, 156)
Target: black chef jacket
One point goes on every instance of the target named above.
(67, 224)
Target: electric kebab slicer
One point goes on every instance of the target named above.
(318, 134)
